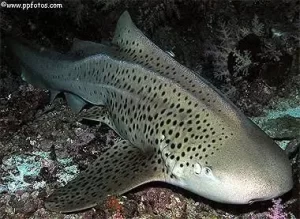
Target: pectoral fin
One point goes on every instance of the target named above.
(118, 170)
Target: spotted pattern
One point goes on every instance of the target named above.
(143, 106)
(134, 46)
(116, 171)
(154, 103)
(100, 114)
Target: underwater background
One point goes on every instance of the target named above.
(248, 49)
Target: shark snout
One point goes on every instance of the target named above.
(252, 190)
(270, 192)
(276, 183)
(259, 176)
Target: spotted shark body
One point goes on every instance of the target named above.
(177, 128)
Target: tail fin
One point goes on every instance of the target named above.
(35, 63)
(11, 59)
(19, 54)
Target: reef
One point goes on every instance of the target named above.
(247, 49)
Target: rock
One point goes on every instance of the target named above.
(292, 147)
(285, 127)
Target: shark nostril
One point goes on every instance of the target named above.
(250, 202)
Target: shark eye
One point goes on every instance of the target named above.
(203, 170)
(197, 169)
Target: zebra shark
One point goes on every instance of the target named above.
(176, 127)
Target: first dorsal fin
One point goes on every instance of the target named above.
(135, 47)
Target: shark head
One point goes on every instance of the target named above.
(246, 168)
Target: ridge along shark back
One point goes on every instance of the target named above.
(177, 128)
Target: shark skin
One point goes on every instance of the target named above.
(177, 128)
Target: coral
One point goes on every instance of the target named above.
(114, 205)
(247, 54)
(150, 13)
(284, 127)
(76, 8)
(21, 172)
(23, 202)
(228, 47)
(281, 122)
(293, 147)
(161, 202)
(257, 27)
(277, 211)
